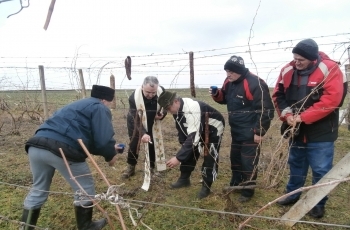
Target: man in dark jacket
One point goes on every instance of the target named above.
(309, 91)
(145, 99)
(250, 111)
(190, 122)
(87, 119)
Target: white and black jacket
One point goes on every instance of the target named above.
(190, 124)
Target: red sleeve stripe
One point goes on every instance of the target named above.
(248, 94)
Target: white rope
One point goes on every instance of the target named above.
(114, 198)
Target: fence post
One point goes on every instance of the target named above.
(43, 91)
(347, 75)
(112, 85)
(82, 83)
(192, 86)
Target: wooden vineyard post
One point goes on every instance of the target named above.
(82, 83)
(112, 84)
(192, 86)
(43, 91)
(347, 75)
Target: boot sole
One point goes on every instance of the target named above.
(124, 176)
(202, 196)
(243, 199)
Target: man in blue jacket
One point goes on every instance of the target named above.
(88, 119)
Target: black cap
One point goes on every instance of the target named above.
(102, 92)
(307, 48)
(235, 64)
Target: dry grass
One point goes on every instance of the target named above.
(163, 208)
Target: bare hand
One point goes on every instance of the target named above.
(211, 93)
(298, 119)
(159, 116)
(292, 120)
(111, 162)
(145, 138)
(257, 138)
(116, 147)
(173, 162)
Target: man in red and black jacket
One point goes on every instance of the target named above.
(250, 111)
(309, 91)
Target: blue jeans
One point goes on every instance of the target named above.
(43, 165)
(317, 155)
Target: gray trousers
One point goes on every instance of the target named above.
(43, 165)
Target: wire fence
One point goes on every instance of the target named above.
(22, 110)
(172, 69)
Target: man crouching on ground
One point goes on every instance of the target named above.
(189, 117)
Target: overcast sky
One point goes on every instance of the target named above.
(157, 35)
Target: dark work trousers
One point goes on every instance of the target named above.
(132, 152)
(210, 163)
(244, 160)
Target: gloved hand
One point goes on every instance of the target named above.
(286, 130)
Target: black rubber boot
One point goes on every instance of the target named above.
(29, 217)
(83, 217)
(205, 190)
(317, 212)
(183, 181)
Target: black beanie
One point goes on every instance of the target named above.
(102, 92)
(235, 64)
(307, 48)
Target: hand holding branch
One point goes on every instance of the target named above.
(145, 138)
(292, 120)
